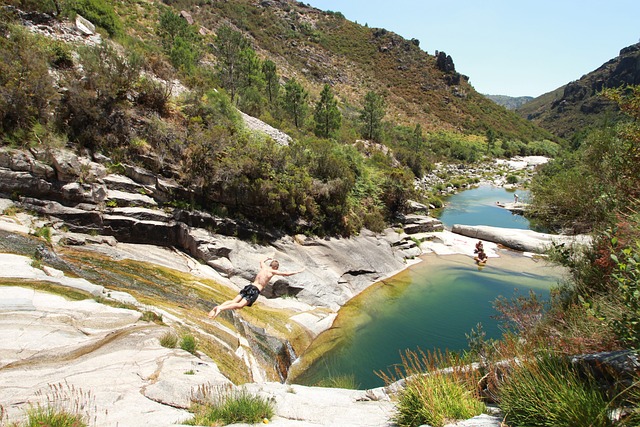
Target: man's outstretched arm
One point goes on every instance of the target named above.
(289, 273)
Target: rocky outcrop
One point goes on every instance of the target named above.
(520, 240)
(80, 195)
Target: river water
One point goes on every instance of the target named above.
(432, 304)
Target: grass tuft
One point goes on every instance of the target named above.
(169, 340)
(548, 391)
(221, 404)
(339, 381)
(432, 394)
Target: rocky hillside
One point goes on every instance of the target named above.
(510, 102)
(576, 106)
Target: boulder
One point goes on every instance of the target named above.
(611, 368)
(24, 183)
(316, 406)
(77, 192)
(122, 183)
(140, 175)
(73, 217)
(96, 356)
(66, 164)
(413, 224)
(520, 240)
(85, 26)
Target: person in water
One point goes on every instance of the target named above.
(481, 258)
(479, 247)
(249, 294)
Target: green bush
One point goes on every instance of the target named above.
(347, 381)
(44, 232)
(66, 406)
(436, 399)
(626, 277)
(548, 391)
(153, 95)
(27, 94)
(150, 316)
(188, 343)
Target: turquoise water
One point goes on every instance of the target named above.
(431, 305)
(478, 207)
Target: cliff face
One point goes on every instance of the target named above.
(578, 105)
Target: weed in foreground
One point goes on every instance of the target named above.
(548, 391)
(63, 405)
(437, 391)
(222, 404)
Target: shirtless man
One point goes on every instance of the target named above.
(249, 294)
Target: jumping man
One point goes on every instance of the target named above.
(249, 294)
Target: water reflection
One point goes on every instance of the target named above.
(478, 207)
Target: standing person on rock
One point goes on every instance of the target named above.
(249, 294)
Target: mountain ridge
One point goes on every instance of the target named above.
(573, 107)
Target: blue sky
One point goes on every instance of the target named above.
(507, 47)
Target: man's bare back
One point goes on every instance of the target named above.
(268, 270)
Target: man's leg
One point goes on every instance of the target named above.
(216, 310)
(234, 304)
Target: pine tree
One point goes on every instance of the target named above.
(371, 116)
(228, 48)
(271, 79)
(327, 115)
(295, 101)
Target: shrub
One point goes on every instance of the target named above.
(512, 179)
(436, 202)
(436, 400)
(66, 406)
(229, 407)
(150, 316)
(626, 276)
(188, 343)
(548, 391)
(52, 417)
(27, 94)
(154, 95)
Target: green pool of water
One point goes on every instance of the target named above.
(431, 305)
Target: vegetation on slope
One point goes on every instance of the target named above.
(119, 100)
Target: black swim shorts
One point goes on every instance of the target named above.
(250, 293)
